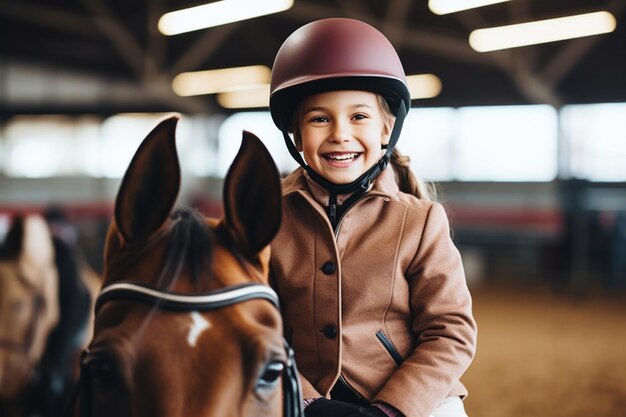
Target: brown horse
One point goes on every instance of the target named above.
(183, 323)
(29, 308)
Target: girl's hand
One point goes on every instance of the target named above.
(370, 411)
(323, 407)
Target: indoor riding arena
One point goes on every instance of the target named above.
(144, 146)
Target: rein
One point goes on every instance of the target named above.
(224, 297)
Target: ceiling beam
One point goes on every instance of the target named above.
(394, 24)
(350, 8)
(427, 41)
(515, 64)
(261, 39)
(47, 17)
(203, 48)
(156, 47)
(573, 52)
(152, 79)
(122, 39)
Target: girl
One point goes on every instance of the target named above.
(373, 292)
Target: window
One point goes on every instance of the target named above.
(261, 124)
(595, 136)
(427, 137)
(120, 138)
(491, 143)
(37, 147)
(505, 143)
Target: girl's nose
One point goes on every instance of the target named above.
(339, 132)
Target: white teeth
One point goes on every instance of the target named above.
(342, 157)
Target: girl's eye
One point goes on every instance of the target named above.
(319, 119)
(359, 116)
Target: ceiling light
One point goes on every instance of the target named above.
(220, 80)
(258, 96)
(451, 6)
(423, 86)
(218, 13)
(542, 31)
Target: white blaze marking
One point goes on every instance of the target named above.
(198, 325)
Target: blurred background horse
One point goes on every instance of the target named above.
(78, 287)
(46, 296)
(183, 324)
(29, 308)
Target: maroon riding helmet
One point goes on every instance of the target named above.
(337, 54)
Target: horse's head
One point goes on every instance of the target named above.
(171, 338)
(28, 302)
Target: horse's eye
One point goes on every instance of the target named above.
(102, 370)
(271, 374)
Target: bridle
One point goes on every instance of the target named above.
(223, 297)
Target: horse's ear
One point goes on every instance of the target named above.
(37, 244)
(252, 206)
(150, 185)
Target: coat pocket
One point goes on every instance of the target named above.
(388, 345)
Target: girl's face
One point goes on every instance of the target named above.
(342, 133)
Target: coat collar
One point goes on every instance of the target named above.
(299, 182)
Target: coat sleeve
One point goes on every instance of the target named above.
(443, 325)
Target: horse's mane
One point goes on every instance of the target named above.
(189, 246)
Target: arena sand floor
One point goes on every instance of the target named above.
(547, 354)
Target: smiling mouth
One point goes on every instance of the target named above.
(341, 156)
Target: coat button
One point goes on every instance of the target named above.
(330, 331)
(329, 268)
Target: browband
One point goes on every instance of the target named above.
(183, 302)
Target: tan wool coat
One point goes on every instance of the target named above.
(382, 303)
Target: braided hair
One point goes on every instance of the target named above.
(406, 179)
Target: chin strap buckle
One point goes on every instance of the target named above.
(384, 161)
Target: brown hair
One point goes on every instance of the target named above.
(401, 164)
(406, 179)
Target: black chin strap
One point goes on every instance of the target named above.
(363, 182)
